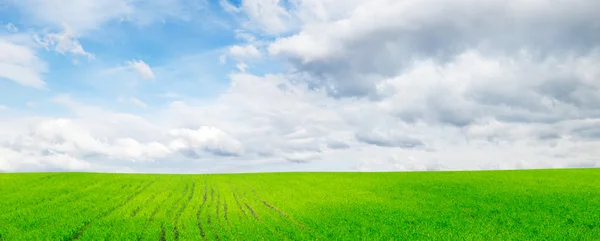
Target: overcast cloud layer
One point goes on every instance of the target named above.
(299, 85)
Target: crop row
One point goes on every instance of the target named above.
(515, 205)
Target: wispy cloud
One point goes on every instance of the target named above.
(141, 68)
(11, 28)
(21, 64)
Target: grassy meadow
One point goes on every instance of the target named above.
(487, 205)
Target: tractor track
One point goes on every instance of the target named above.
(109, 211)
(138, 209)
(153, 214)
(199, 212)
(219, 222)
(283, 214)
(162, 233)
(217, 206)
(176, 203)
(280, 212)
(208, 219)
(274, 208)
(180, 211)
(251, 211)
(237, 201)
(225, 212)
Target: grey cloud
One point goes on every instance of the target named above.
(548, 135)
(301, 157)
(516, 97)
(589, 164)
(516, 90)
(297, 160)
(572, 91)
(451, 110)
(364, 51)
(388, 139)
(397, 162)
(223, 152)
(587, 132)
(337, 145)
(198, 154)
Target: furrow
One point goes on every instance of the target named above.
(180, 211)
(108, 212)
(199, 213)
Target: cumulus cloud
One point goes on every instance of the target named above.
(388, 138)
(243, 52)
(507, 74)
(31, 162)
(380, 39)
(244, 128)
(93, 140)
(68, 137)
(264, 15)
(205, 138)
(141, 68)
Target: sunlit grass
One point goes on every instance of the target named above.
(492, 205)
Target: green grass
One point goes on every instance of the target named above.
(492, 205)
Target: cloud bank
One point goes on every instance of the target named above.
(375, 85)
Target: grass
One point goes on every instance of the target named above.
(491, 205)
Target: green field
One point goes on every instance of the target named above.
(491, 205)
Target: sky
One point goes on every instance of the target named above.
(224, 86)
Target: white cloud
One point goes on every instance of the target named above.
(84, 16)
(33, 162)
(3, 107)
(80, 15)
(313, 11)
(267, 15)
(243, 52)
(388, 138)
(64, 143)
(223, 59)
(244, 35)
(11, 28)
(205, 138)
(349, 53)
(373, 85)
(134, 101)
(228, 7)
(138, 102)
(20, 64)
(244, 128)
(65, 42)
(80, 18)
(242, 67)
(141, 68)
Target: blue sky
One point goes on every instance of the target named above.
(112, 43)
(298, 85)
